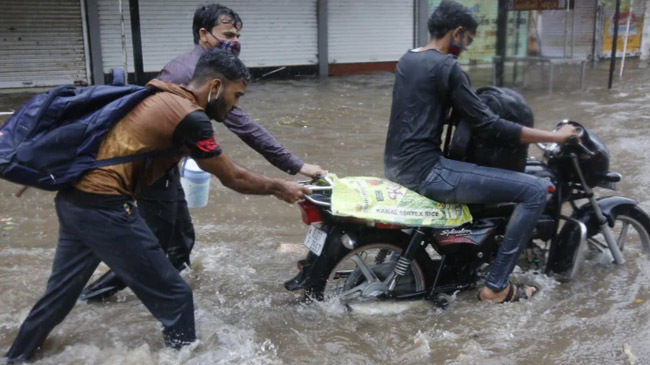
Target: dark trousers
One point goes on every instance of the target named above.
(460, 182)
(164, 208)
(119, 237)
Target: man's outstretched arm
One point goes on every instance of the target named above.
(195, 133)
(243, 181)
(483, 120)
(259, 139)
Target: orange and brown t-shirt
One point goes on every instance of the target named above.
(169, 121)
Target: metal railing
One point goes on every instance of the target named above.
(551, 62)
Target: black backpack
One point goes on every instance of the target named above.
(486, 151)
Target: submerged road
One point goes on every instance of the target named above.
(247, 246)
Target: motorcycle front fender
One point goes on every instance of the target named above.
(570, 241)
(608, 205)
(582, 224)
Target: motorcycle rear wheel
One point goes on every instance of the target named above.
(365, 272)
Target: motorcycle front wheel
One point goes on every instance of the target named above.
(631, 231)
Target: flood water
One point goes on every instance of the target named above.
(248, 245)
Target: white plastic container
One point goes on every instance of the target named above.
(196, 184)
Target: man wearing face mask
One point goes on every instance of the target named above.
(163, 204)
(99, 220)
(428, 84)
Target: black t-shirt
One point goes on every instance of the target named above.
(427, 85)
(195, 133)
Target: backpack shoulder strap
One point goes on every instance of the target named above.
(82, 166)
(443, 74)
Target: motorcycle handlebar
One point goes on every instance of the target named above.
(573, 141)
(577, 141)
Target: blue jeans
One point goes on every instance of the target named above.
(120, 237)
(461, 182)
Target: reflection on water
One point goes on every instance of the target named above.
(247, 246)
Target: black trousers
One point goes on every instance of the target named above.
(119, 236)
(164, 208)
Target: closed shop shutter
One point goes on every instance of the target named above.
(369, 31)
(275, 33)
(41, 43)
(553, 33)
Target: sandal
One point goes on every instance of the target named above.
(515, 293)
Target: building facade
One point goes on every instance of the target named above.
(51, 42)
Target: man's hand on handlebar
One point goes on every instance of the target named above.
(559, 136)
(565, 133)
(312, 171)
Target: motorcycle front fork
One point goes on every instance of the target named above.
(602, 220)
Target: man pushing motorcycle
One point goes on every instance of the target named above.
(428, 84)
(99, 220)
(163, 204)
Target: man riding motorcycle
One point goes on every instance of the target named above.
(428, 84)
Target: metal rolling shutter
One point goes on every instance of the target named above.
(369, 31)
(110, 34)
(41, 43)
(278, 32)
(552, 35)
(275, 33)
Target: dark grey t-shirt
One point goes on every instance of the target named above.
(427, 85)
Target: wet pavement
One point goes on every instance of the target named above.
(248, 245)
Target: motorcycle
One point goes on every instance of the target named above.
(356, 259)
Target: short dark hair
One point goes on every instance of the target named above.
(448, 16)
(220, 63)
(209, 15)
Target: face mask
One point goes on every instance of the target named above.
(233, 46)
(455, 48)
(212, 108)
